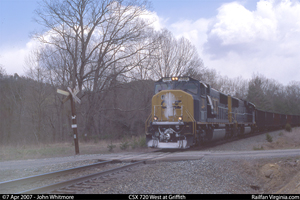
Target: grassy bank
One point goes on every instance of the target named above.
(21, 152)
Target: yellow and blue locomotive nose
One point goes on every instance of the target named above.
(172, 112)
(172, 106)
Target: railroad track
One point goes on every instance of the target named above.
(11, 185)
(81, 183)
(73, 185)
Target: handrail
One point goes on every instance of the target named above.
(193, 119)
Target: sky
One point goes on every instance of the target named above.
(236, 38)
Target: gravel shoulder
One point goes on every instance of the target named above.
(217, 175)
(208, 175)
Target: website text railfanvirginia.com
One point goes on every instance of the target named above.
(275, 197)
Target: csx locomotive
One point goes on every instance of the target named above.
(186, 112)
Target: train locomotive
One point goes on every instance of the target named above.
(187, 112)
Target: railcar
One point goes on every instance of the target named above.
(186, 112)
(270, 121)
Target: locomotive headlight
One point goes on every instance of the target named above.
(174, 78)
(155, 118)
(180, 118)
(167, 136)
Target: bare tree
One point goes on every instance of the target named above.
(2, 71)
(147, 58)
(292, 97)
(174, 57)
(95, 37)
(237, 87)
(206, 75)
(89, 43)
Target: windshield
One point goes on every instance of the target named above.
(190, 87)
(162, 86)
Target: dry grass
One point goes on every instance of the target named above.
(22, 152)
(287, 140)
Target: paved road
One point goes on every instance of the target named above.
(194, 155)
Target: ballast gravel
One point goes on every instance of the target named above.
(205, 176)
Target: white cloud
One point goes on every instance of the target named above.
(238, 41)
(235, 24)
(13, 59)
(195, 31)
(157, 22)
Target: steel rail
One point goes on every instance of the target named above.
(26, 180)
(63, 184)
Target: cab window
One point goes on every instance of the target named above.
(160, 86)
(190, 87)
(202, 89)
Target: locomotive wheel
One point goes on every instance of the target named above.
(209, 133)
(235, 131)
(198, 140)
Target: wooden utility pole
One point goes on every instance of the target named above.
(72, 96)
(74, 126)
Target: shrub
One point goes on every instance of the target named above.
(288, 127)
(111, 147)
(142, 142)
(95, 139)
(281, 134)
(269, 137)
(124, 145)
(134, 144)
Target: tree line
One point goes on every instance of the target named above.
(32, 112)
(110, 51)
